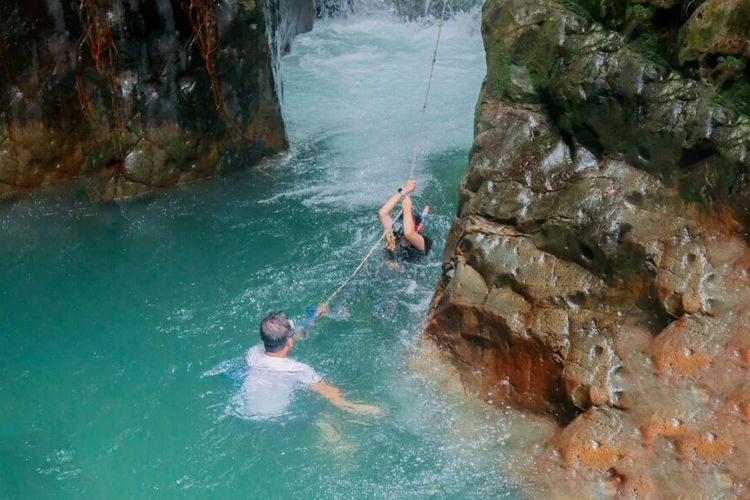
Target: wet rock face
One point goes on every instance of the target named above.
(133, 96)
(597, 268)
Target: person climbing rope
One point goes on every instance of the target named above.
(391, 239)
(403, 238)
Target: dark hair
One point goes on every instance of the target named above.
(275, 329)
(414, 215)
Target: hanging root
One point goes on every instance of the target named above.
(83, 101)
(97, 25)
(97, 32)
(201, 15)
(202, 22)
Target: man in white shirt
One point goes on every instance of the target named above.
(272, 376)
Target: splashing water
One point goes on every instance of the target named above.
(118, 318)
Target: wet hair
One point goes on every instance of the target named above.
(416, 216)
(275, 329)
(398, 225)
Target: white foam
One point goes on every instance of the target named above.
(370, 76)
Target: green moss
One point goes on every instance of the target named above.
(732, 63)
(738, 95)
(499, 73)
(249, 5)
(730, 78)
(640, 12)
(647, 44)
(611, 12)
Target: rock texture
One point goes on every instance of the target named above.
(133, 96)
(597, 269)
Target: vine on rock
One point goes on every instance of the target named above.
(203, 25)
(201, 15)
(97, 26)
(83, 101)
(97, 35)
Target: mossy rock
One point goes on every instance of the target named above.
(716, 27)
(524, 45)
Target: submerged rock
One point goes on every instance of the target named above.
(597, 267)
(136, 96)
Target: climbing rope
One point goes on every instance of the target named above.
(415, 152)
(418, 139)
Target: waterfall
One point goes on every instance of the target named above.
(409, 9)
(284, 19)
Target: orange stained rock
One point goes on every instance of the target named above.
(722, 219)
(635, 285)
(745, 357)
(599, 395)
(660, 425)
(705, 446)
(745, 411)
(638, 487)
(737, 350)
(680, 361)
(691, 303)
(591, 454)
(737, 405)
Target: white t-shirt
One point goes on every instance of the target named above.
(270, 382)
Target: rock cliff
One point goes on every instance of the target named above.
(597, 268)
(134, 96)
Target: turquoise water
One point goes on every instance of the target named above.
(115, 318)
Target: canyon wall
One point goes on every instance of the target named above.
(597, 268)
(132, 96)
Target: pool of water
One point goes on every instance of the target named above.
(115, 318)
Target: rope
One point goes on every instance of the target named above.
(415, 151)
(418, 140)
(356, 270)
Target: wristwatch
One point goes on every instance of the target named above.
(399, 190)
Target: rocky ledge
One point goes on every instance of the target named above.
(597, 269)
(136, 96)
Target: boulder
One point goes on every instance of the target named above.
(716, 27)
(596, 271)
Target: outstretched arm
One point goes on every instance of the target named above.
(301, 332)
(410, 233)
(334, 395)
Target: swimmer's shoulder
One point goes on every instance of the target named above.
(304, 372)
(254, 354)
(292, 364)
